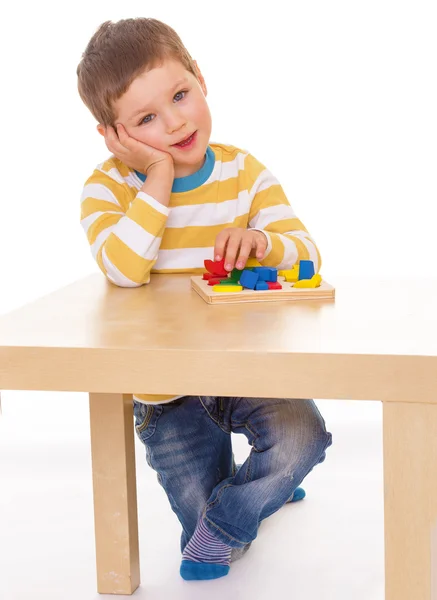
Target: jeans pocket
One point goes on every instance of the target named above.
(212, 406)
(146, 418)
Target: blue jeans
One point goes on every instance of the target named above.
(188, 444)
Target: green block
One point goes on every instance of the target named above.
(227, 282)
(235, 275)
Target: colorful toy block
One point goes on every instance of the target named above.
(267, 273)
(290, 274)
(306, 269)
(314, 282)
(227, 288)
(215, 280)
(252, 262)
(216, 267)
(257, 277)
(228, 281)
(235, 275)
(249, 279)
(273, 275)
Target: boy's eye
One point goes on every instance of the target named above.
(178, 97)
(147, 119)
(179, 93)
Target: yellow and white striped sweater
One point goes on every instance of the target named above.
(132, 235)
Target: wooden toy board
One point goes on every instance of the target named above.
(324, 292)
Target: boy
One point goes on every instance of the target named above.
(164, 201)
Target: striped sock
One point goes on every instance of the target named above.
(205, 557)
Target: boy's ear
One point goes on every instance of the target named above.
(200, 78)
(101, 129)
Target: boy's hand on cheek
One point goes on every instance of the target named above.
(237, 244)
(133, 153)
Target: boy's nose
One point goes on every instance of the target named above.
(174, 122)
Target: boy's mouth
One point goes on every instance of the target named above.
(186, 142)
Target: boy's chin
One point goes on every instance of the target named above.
(189, 166)
(191, 158)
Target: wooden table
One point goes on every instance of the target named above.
(378, 341)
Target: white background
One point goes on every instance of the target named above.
(337, 98)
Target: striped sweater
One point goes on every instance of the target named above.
(132, 235)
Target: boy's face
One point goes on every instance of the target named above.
(164, 106)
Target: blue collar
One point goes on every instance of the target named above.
(191, 182)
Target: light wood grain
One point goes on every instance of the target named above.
(115, 498)
(434, 561)
(324, 292)
(410, 467)
(378, 340)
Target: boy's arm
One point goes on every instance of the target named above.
(288, 241)
(126, 244)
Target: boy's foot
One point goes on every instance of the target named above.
(298, 494)
(205, 557)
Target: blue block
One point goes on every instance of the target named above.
(249, 279)
(261, 285)
(306, 269)
(273, 274)
(263, 273)
(267, 273)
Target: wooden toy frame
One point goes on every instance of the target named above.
(324, 292)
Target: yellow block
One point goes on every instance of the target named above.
(309, 283)
(227, 288)
(290, 274)
(252, 262)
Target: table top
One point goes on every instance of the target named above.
(164, 335)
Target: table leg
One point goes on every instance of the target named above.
(410, 472)
(115, 496)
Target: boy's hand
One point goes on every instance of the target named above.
(239, 244)
(133, 153)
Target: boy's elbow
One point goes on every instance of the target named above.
(123, 283)
(117, 277)
(120, 280)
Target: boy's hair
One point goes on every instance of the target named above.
(119, 52)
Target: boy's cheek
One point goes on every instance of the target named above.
(136, 134)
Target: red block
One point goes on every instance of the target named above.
(216, 267)
(216, 280)
(207, 276)
(274, 285)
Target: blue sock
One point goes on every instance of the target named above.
(299, 494)
(205, 557)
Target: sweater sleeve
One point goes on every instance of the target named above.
(270, 212)
(124, 234)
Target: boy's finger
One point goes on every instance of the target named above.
(126, 140)
(110, 133)
(114, 139)
(232, 249)
(122, 135)
(261, 245)
(220, 244)
(245, 249)
(110, 136)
